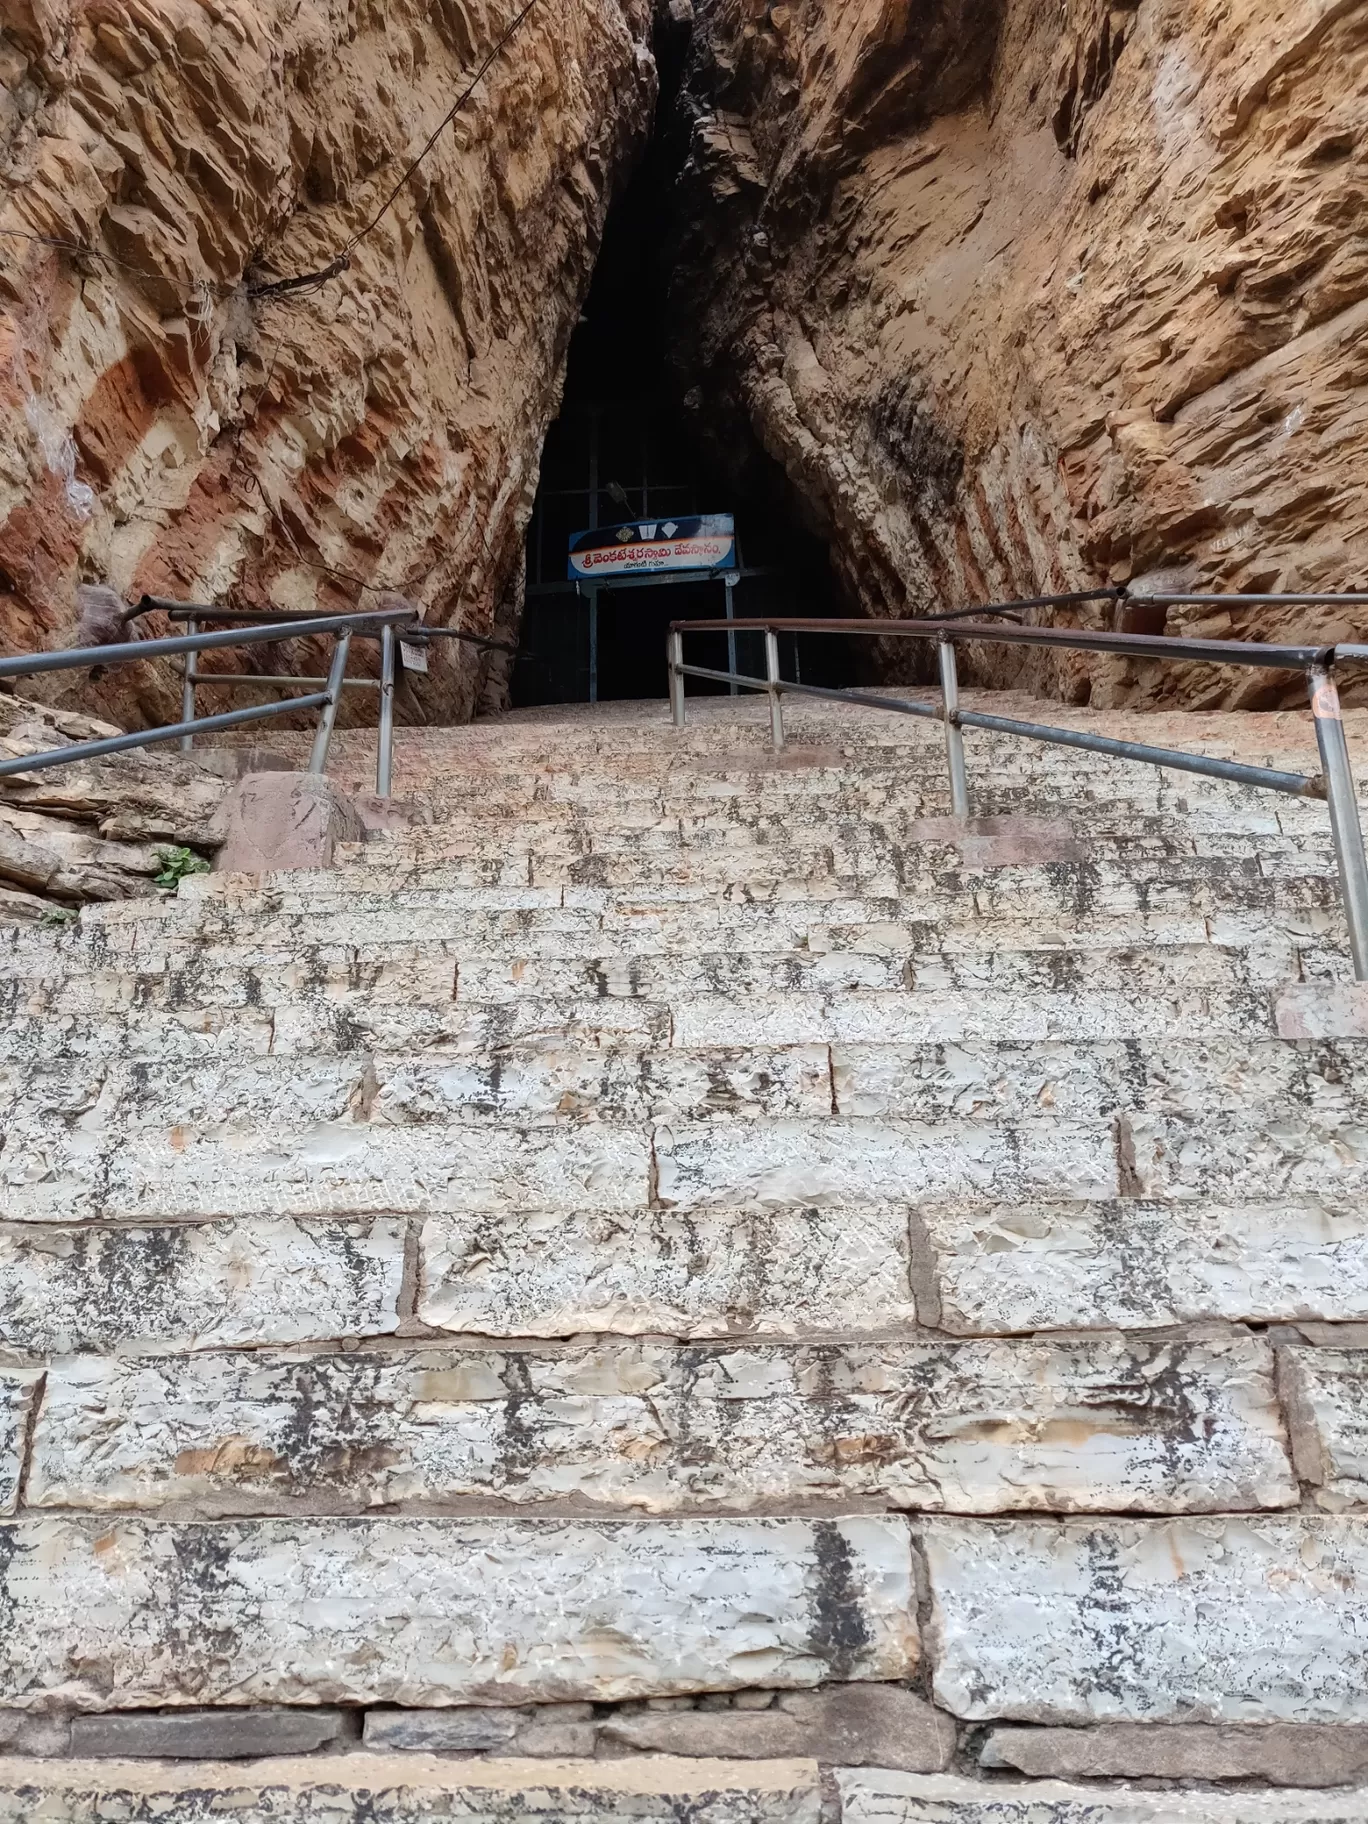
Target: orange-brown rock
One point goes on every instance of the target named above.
(165, 425)
(1029, 299)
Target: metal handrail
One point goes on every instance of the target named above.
(381, 623)
(1335, 782)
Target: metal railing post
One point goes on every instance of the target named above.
(674, 658)
(1344, 815)
(384, 740)
(729, 583)
(954, 738)
(776, 695)
(191, 663)
(318, 759)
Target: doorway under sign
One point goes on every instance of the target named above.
(609, 461)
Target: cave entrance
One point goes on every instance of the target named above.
(621, 450)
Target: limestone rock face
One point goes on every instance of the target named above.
(168, 426)
(1029, 299)
(95, 829)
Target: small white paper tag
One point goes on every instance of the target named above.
(413, 658)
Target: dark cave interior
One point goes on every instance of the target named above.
(621, 447)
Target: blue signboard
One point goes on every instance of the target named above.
(705, 543)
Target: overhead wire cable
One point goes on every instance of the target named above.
(274, 288)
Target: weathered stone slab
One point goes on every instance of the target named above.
(1130, 1263)
(1323, 1010)
(1326, 1395)
(283, 820)
(1203, 1620)
(844, 1725)
(518, 1085)
(208, 1735)
(198, 1285)
(17, 1388)
(554, 1083)
(1286, 1754)
(876, 1797)
(558, 1730)
(419, 1612)
(461, 1729)
(855, 1161)
(1078, 1081)
(357, 1167)
(711, 1272)
(1280, 1151)
(411, 1789)
(30, 1732)
(952, 1017)
(1173, 1425)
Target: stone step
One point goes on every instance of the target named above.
(259, 1279)
(427, 1611)
(422, 977)
(899, 804)
(1181, 882)
(706, 1021)
(1148, 1426)
(876, 1796)
(470, 922)
(980, 1268)
(494, 1167)
(1201, 1620)
(854, 844)
(906, 789)
(1207, 1082)
(379, 1788)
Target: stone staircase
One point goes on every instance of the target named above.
(677, 1284)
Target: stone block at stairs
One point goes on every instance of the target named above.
(1135, 1262)
(878, 1797)
(410, 1789)
(557, 1730)
(851, 1725)
(1261, 1619)
(781, 1272)
(209, 1735)
(198, 1285)
(29, 1732)
(1159, 1426)
(1284, 1754)
(1323, 1010)
(276, 821)
(1325, 1392)
(16, 1403)
(438, 1611)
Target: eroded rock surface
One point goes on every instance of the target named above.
(1029, 299)
(169, 426)
(94, 829)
